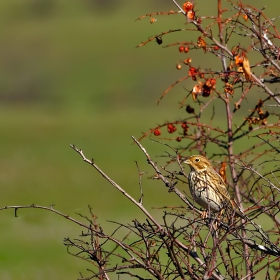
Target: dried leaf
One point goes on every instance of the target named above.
(246, 68)
(222, 170)
(201, 43)
(196, 90)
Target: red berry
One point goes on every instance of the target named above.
(171, 128)
(181, 48)
(157, 132)
(201, 75)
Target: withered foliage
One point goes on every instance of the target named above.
(231, 116)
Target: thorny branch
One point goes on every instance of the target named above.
(182, 239)
(237, 128)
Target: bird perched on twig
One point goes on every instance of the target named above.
(208, 188)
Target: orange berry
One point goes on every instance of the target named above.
(179, 66)
(188, 6)
(187, 61)
(245, 17)
(190, 16)
(210, 83)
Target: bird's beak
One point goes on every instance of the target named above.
(187, 161)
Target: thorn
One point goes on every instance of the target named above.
(16, 212)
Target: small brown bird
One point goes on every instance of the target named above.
(208, 188)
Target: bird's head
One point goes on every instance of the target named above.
(198, 163)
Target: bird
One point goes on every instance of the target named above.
(208, 188)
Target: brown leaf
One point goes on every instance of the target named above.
(246, 68)
(196, 90)
(222, 170)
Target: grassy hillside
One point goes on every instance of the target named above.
(70, 73)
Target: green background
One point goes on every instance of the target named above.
(70, 72)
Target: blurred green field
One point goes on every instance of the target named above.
(70, 73)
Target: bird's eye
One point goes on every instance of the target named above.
(197, 159)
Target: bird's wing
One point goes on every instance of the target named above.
(221, 185)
